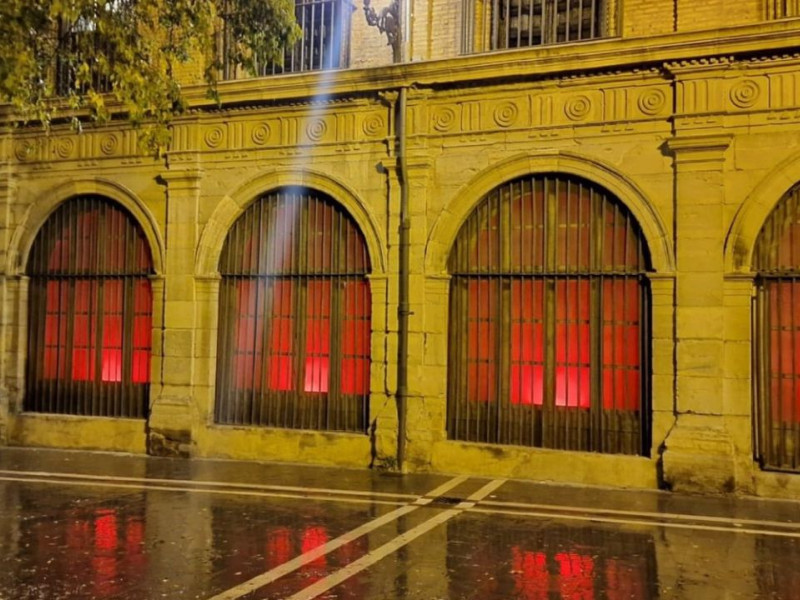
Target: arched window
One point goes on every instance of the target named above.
(548, 338)
(90, 313)
(294, 326)
(776, 350)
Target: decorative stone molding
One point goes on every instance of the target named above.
(214, 137)
(444, 119)
(652, 101)
(260, 134)
(87, 147)
(745, 94)
(506, 114)
(578, 107)
(700, 152)
(316, 129)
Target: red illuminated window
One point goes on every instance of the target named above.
(90, 319)
(547, 320)
(295, 324)
(776, 348)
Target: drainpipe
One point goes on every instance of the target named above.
(403, 309)
(394, 20)
(404, 243)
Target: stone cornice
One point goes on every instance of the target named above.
(675, 52)
(684, 51)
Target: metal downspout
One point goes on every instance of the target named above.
(403, 309)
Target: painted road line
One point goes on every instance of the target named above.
(190, 482)
(137, 487)
(491, 504)
(369, 559)
(332, 493)
(296, 563)
(619, 521)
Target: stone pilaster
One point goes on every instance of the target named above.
(699, 453)
(10, 317)
(662, 290)
(174, 411)
(205, 344)
(737, 381)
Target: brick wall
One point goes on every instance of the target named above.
(713, 14)
(647, 17)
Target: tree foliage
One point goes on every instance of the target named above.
(86, 60)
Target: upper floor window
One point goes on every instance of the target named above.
(90, 313)
(84, 54)
(324, 43)
(503, 24)
(783, 9)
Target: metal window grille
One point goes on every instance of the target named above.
(76, 42)
(90, 313)
(776, 349)
(504, 24)
(295, 317)
(548, 342)
(782, 9)
(324, 43)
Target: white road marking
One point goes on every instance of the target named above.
(369, 559)
(195, 490)
(253, 486)
(601, 519)
(488, 505)
(310, 556)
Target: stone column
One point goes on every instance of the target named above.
(174, 411)
(699, 449)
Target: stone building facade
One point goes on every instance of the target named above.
(669, 130)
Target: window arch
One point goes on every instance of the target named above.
(776, 351)
(548, 329)
(294, 316)
(90, 312)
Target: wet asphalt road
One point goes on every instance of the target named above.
(79, 525)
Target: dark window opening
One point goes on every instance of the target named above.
(324, 42)
(548, 321)
(504, 24)
(782, 9)
(295, 317)
(90, 313)
(82, 41)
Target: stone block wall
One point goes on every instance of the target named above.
(699, 149)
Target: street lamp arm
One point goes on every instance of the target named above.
(387, 20)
